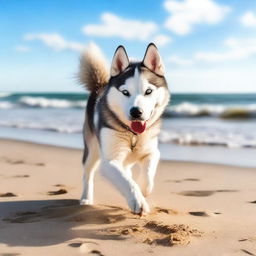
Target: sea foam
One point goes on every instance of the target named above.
(186, 109)
(42, 102)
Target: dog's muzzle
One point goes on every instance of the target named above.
(136, 113)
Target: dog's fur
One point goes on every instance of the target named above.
(109, 139)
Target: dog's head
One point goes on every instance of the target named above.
(138, 92)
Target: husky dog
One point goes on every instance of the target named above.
(122, 121)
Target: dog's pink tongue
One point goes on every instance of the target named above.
(138, 127)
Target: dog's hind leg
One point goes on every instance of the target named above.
(91, 162)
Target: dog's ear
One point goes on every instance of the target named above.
(152, 60)
(120, 61)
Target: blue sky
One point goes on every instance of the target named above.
(206, 45)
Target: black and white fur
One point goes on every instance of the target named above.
(109, 141)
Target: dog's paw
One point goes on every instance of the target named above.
(140, 208)
(85, 202)
(138, 204)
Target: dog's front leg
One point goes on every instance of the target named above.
(149, 167)
(114, 172)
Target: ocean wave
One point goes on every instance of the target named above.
(186, 109)
(5, 105)
(183, 109)
(225, 139)
(43, 127)
(42, 102)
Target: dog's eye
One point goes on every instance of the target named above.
(126, 93)
(148, 91)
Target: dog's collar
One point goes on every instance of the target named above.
(134, 141)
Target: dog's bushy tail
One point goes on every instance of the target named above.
(93, 73)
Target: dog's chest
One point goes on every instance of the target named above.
(126, 147)
(140, 147)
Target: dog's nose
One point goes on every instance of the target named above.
(136, 112)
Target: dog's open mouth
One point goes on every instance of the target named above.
(138, 126)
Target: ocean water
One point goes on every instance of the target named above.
(192, 123)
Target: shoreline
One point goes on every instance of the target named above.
(237, 157)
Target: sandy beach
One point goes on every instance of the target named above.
(196, 209)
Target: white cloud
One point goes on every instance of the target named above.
(21, 48)
(248, 19)
(113, 25)
(184, 15)
(161, 40)
(55, 41)
(238, 49)
(180, 61)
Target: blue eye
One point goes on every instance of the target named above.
(148, 91)
(126, 93)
